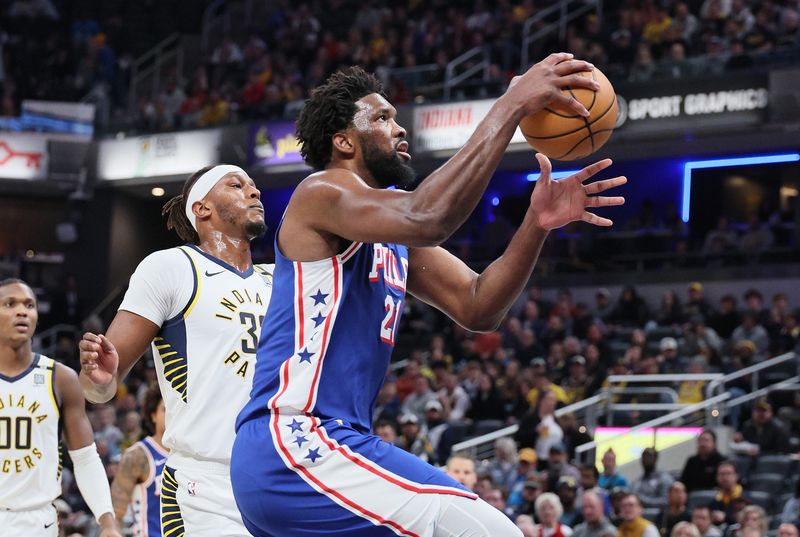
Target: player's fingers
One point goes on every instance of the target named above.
(106, 344)
(545, 168)
(88, 358)
(577, 82)
(85, 345)
(592, 169)
(88, 336)
(572, 66)
(568, 101)
(602, 186)
(556, 58)
(604, 201)
(595, 220)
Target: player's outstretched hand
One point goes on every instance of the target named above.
(557, 203)
(542, 84)
(99, 358)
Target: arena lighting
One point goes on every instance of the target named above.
(555, 175)
(495, 201)
(157, 191)
(691, 165)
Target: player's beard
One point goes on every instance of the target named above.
(252, 229)
(386, 167)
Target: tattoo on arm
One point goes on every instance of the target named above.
(134, 467)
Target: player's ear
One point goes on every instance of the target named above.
(201, 209)
(343, 143)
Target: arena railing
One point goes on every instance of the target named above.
(146, 69)
(536, 27)
(453, 79)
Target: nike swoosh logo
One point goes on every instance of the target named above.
(214, 273)
(48, 525)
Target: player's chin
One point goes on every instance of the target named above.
(256, 228)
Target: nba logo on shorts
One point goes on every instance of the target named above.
(191, 486)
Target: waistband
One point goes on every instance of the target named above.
(186, 462)
(35, 507)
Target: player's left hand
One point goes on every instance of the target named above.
(557, 203)
(110, 532)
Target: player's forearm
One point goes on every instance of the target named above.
(449, 195)
(97, 393)
(499, 285)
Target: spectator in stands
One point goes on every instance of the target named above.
(539, 428)
(526, 525)
(675, 510)
(421, 396)
(558, 466)
(594, 524)
(576, 382)
(412, 439)
(526, 471)
(726, 318)
(503, 468)
(386, 430)
(633, 524)
(753, 523)
(387, 406)
(590, 476)
(701, 518)
(670, 312)
(574, 434)
(455, 400)
(728, 490)
(684, 529)
(437, 427)
(754, 303)
(542, 381)
(462, 469)
(669, 361)
(631, 309)
(791, 510)
(548, 512)
(765, 433)
(653, 486)
(785, 530)
(751, 330)
(106, 431)
(701, 339)
(567, 491)
(758, 236)
(610, 479)
(691, 391)
(486, 404)
(697, 303)
(524, 499)
(408, 378)
(603, 306)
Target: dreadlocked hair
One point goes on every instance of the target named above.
(329, 110)
(152, 398)
(175, 210)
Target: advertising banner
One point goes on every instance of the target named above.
(273, 143)
(23, 156)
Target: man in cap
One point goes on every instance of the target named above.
(764, 433)
(558, 466)
(412, 439)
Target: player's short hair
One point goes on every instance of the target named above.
(175, 210)
(151, 400)
(329, 110)
(10, 281)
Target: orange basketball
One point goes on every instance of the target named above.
(561, 134)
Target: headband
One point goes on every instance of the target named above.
(203, 186)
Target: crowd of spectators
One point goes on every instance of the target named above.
(266, 65)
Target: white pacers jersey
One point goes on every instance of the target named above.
(30, 465)
(210, 316)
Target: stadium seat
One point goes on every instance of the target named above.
(773, 484)
(483, 427)
(743, 466)
(774, 464)
(759, 497)
(700, 497)
(651, 514)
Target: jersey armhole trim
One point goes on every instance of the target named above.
(190, 304)
(53, 396)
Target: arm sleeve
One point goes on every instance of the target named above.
(161, 286)
(92, 480)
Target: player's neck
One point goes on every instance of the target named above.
(158, 438)
(358, 168)
(232, 250)
(15, 360)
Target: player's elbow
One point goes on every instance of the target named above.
(482, 323)
(428, 232)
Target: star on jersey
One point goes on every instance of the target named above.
(313, 454)
(319, 298)
(299, 439)
(318, 320)
(305, 356)
(296, 426)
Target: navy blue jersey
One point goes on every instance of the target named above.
(329, 333)
(146, 496)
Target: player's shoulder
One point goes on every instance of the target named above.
(329, 183)
(167, 261)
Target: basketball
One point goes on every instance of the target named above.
(561, 134)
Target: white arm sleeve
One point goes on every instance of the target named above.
(161, 286)
(92, 480)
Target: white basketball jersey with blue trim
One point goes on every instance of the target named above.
(210, 316)
(30, 466)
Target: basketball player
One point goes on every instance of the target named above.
(201, 305)
(39, 397)
(304, 461)
(138, 480)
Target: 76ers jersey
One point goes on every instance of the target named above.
(329, 334)
(210, 316)
(146, 505)
(30, 466)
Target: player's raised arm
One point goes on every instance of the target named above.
(89, 472)
(367, 150)
(479, 302)
(107, 359)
